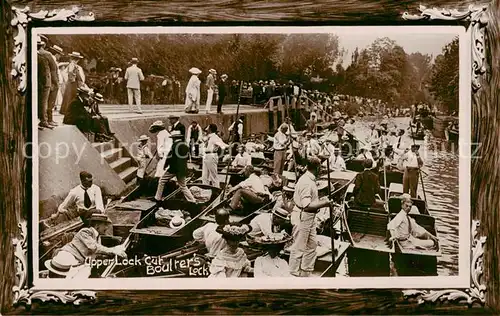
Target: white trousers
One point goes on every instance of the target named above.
(210, 96)
(209, 174)
(134, 94)
(303, 252)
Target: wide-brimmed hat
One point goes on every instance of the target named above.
(56, 49)
(75, 55)
(156, 125)
(281, 213)
(195, 71)
(224, 76)
(98, 97)
(142, 137)
(273, 239)
(176, 134)
(177, 222)
(174, 116)
(42, 39)
(234, 231)
(61, 263)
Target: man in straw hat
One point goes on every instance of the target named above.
(134, 76)
(251, 190)
(192, 103)
(210, 88)
(176, 125)
(222, 89)
(270, 264)
(280, 147)
(72, 260)
(306, 198)
(412, 162)
(209, 173)
(208, 235)
(163, 145)
(407, 231)
(285, 199)
(176, 166)
(44, 83)
(100, 123)
(143, 155)
(336, 161)
(76, 79)
(267, 224)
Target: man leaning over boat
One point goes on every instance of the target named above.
(208, 235)
(406, 231)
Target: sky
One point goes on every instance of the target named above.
(425, 43)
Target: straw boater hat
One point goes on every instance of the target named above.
(281, 213)
(56, 49)
(75, 55)
(177, 222)
(224, 76)
(98, 217)
(134, 60)
(143, 137)
(156, 126)
(61, 263)
(212, 71)
(195, 71)
(98, 97)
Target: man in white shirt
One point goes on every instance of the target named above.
(134, 76)
(372, 134)
(303, 251)
(213, 240)
(311, 147)
(336, 161)
(252, 190)
(405, 229)
(194, 137)
(267, 224)
(163, 146)
(242, 159)
(280, 145)
(209, 173)
(210, 88)
(412, 162)
(84, 199)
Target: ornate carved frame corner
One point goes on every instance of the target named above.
(24, 295)
(476, 20)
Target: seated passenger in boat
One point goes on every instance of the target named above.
(82, 199)
(372, 134)
(70, 260)
(251, 190)
(336, 161)
(405, 229)
(270, 264)
(366, 154)
(367, 188)
(242, 159)
(285, 199)
(208, 235)
(266, 224)
(311, 147)
(231, 261)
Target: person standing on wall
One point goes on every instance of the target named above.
(54, 53)
(210, 88)
(76, 79)
(44, 85)
(222, 92)
(192, 103)
(134, 76)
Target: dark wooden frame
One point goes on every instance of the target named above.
(15, 191)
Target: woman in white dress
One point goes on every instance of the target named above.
(192, 103)
(270, 264)
(231, 261)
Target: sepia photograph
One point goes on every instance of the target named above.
(339, 155)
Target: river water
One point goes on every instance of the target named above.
(441, 189)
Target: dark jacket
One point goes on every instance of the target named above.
(222, 88)
(366, 186)
(54, 76)
(78, 115)
(44, 77)
(177, 158)
(181, 128)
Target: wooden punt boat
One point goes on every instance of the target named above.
(366, 229)
(393, 175)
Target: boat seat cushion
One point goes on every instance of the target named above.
(395, 189)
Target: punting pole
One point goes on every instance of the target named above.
(332, 229)
(231, 137)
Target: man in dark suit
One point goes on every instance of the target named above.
(54, 79)
(367, 187)
(176, 165)
(176, 125)
(79, 112)
(44, 84)
(222, 86)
